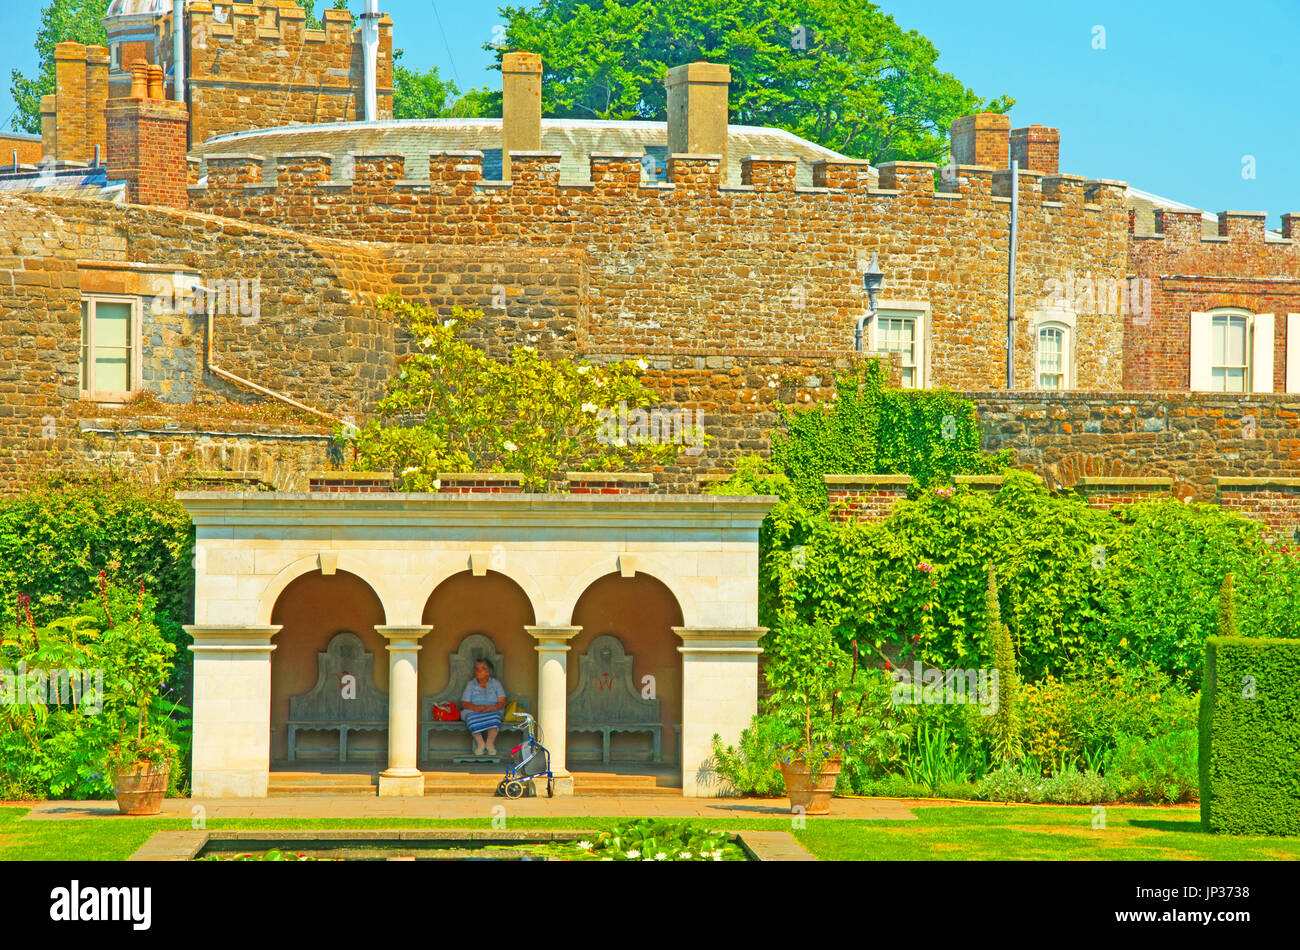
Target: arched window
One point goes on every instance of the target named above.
(1053, 356)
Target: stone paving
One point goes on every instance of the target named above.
(477, 806)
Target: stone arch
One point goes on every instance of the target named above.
(352, 563)
(311, 611)
(649, 564)
(640, 612)
(493, 608)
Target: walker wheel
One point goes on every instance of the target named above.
(514, 789)
(501, 786)
(550, 788)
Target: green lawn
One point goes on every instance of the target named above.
(959, 832)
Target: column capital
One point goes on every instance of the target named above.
(552, 639)
(742, 640)
(403, 637)
(236, 638)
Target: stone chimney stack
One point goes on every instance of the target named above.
(698, 95)
(148, 138)
(1037, 148)
(80, 94)
(521, 106)
(982, 139)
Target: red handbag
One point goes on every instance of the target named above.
(445, 712)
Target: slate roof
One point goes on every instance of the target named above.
(574, 139)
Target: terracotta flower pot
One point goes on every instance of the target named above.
(813, 796)
(140, 790)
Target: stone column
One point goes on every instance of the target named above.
(553, 697)
(232, 710)
(403, 776)
(719, 696)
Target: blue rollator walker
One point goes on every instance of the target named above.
(532, 761)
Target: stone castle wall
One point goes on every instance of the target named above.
(766, 265)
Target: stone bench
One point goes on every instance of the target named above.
(345, 698)
(474, 647)
(607, 701)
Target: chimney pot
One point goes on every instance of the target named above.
(155, 82)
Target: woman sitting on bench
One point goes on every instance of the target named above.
(481, 705)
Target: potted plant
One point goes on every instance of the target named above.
(820, 707)
(137, 661)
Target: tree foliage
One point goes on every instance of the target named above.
(61, 21)
(842, 74)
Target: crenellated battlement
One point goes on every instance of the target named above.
(1182, 229)
(258, 65)
(236, 182)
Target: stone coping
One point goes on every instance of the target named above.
(1225, 481)
(978, 480)
(714, 478)
(630, 478)
(1108, 481)
(504, 478)
(902, 480)
(349, 476)
(186, 845)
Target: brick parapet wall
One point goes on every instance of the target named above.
(475, 483)
(693, 264)
(1274, 502)
(1186, 272)
(609, 483)
(1105, 492)
(865, 497)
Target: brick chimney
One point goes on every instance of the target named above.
(981, 139)
(1037, 148)
(148, 138)
(698, 96)
(521, 106)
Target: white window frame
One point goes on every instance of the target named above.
(1068, 322)
(918, 312)
(1259, 350)
(87, 349)
(1293, 352)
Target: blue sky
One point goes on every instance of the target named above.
(1182, 94)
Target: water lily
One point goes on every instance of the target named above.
(634, 853)
(661, 856)
(684, 855)
(584, 845)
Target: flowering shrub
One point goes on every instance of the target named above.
(453, 408)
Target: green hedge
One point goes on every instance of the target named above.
(1250, 736)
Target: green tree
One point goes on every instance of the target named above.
(453, 408)
(842, 74)
(61, 21)
(426, 95)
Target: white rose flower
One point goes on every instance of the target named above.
(590, 407)
(511, 447)
(642, 364)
